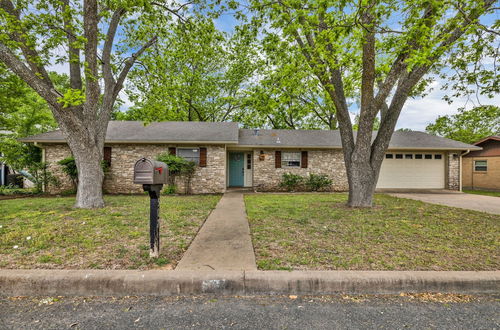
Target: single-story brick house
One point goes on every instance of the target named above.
(481, 168)
(228, 156)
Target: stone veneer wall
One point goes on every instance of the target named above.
(326, 161)
(119, 179)
(53, 154)
(212, 179)
(453, 171)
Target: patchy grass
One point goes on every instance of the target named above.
(50, 233)
(317, 231)
(483, 192)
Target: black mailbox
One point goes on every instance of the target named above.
(147, 171)
(152, 175)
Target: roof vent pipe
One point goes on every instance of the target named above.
(256, 132)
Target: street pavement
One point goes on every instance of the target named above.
(261, 312)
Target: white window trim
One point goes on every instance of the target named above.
(481, 160)
(186, 148)
(283, 161)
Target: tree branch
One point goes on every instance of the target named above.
(173, 11)
(129, 63)
(40, 85)
(368, 111)
(109, 80)
(73, 52)
(91, 32)
(29, 53)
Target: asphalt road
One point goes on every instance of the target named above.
(289, 312)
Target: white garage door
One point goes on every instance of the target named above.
(412, 170)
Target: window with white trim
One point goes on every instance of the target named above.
(189, 154)
(290, 159)
(481, 165)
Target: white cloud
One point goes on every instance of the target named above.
(60, 51)
(126, 101)
(418, 113)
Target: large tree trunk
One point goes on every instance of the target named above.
(86, 144)
(90, 179)
(83, 125)
(362, 182)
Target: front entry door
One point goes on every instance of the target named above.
(236, 169)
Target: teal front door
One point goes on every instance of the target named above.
(236, 169)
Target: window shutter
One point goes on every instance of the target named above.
(277, 159)
(203, 157)
(304, 159)
(171, 151)
(107, 155)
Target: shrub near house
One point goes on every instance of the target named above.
(314, 182)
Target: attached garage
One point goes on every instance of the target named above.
(412, 170)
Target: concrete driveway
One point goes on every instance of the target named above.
(481, 203)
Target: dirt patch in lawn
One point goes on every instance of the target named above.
(306, 231)
(50, 233)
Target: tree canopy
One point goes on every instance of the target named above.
(378, 52)
(468, 126)
(99, 42)
(194, 73)
(22, 113)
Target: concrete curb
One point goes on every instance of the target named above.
(167, 283)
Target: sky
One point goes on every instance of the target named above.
(416, 114)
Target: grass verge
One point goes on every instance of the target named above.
(483, 192)
(50, 233)
(318, 232)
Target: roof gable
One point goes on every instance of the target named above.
(489, 138)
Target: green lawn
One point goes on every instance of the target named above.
(317, 231)
(50, 233)
(483, 192)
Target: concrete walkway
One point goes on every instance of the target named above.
(488, 204)
(223, 242)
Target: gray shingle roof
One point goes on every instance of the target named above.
(290, 138)
(331, 139)
(163, 132)
(228, 133)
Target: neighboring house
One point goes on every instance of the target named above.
(481, 168)
(231, 157)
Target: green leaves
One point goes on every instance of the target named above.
(195, 73)
(22, 113)
(72, 97)
(468, 126)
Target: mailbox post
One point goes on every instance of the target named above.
(152, 175)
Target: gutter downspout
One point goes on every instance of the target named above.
(460, 169)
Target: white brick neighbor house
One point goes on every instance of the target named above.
(228, 156)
